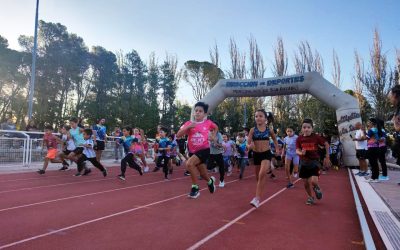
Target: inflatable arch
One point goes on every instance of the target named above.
(347, 109)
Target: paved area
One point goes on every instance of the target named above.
(389, 191)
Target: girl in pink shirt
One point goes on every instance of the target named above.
(199, 147)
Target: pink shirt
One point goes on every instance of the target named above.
(198, 136)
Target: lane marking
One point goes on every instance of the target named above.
(103, 218)
(237, 222)
(84, 195)
(232, 222)
(68, 183)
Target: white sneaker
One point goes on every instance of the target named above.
(146, 169)
(221, 184)
(255, 202)
(295, 175)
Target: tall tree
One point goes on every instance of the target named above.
(169, 79)
(336, 71)
(201, 76)
(379, 79)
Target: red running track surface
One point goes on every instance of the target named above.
(59, 211)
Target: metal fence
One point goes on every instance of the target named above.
(14, 148)
(21, 148)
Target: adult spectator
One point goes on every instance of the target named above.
(31, 127)
(394, 98)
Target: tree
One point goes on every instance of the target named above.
(336, 72)
(12, 82)
(169, 79)
(201, 76)
(378, 80)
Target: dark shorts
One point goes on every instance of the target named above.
(182, 149)
(78, 150)
(100, 145)
(361, 154)
(67, 152)
(260, 156)
(203, 155)
(308, 169)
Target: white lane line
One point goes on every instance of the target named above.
(102, 218)
(234, 221)
(84, 195)
(66, 184)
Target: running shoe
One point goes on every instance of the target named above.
(295, 174)
(87, 171)
(139, 169)
(240, 176)
(41, 171)
(383, 178)
(290, 185)
(187, 173)
(121, 177)
(211, 186)
(359, 173)
(318, 192)
(105, 172)
(146, 169)
(255, 202)
(156, 169)
(194, 192)
(310, 201)
(221, 184)
(64, 168)
(78, 174)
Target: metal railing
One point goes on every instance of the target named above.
(14, 148)
(21, 148)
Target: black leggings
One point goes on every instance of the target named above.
(93, 160)
(219, 160)
(128, 160)
(382, 159)
(162, 161)
(373, 155)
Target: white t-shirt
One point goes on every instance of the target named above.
(89, 152)
(360, 144)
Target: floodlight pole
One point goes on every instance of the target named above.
(33, 70)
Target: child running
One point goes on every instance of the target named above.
(51, 141)
(89, 154)
(68, 146)
(307, 147)
(199, 147)
(290, 156)
(258, 141)
(229, 149)
(128, 143)
(164, 146)
(216, 150)
(243, 152)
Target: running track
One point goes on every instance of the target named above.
(59, 211)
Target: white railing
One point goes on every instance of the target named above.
(14, 147)
(21, 148)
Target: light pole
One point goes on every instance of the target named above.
(33, 70)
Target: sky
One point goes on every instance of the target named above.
(189, 28)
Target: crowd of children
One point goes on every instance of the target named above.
(204, 149)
